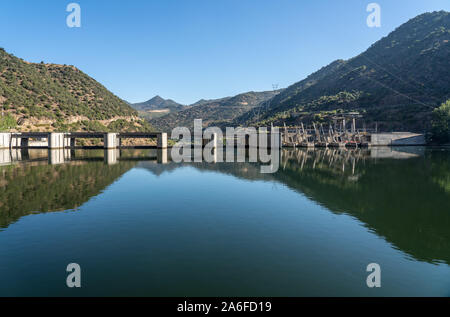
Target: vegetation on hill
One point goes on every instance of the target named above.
(118, 125)
(55, 95)
(218, 112)
(440, 124)
(7, 122)
(397, 82)
(60, 187)
(356, 192)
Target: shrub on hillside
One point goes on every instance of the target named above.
(440, 124)
(7, 122)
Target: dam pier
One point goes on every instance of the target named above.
(317, 136)
(60, 140)
(57, 140)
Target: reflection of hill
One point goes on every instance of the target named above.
(399, 200)
(241, 170)
(404, 201)
(31, 188)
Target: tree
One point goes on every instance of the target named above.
(440, 124)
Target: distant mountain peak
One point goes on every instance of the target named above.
(158, 103)
(155, 99)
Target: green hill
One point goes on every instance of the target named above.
(52, 97)
(217, 112)
(397, 82)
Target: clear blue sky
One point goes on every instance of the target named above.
(192, 49)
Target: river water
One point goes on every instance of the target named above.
(141, 225)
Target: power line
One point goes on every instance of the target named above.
(392, 89)
(399, 78)
(266, 103)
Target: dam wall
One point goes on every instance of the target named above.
(397, 138)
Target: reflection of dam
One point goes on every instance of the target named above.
(341, 158)
(36, 186)
(43, 180)
(404, 201)
(401, 200)
(333, 156)
(61, 156)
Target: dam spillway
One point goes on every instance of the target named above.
(60, 140)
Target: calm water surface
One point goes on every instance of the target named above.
(140, 227)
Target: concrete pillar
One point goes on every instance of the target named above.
(110, 141)
(5, 157)
(15, 142)
(162, 141)
(111, 156)
(5, 140)
(16, 155)
(56, 140)
(162, 156)
(67, 154)
(66, 142)
(56, 156)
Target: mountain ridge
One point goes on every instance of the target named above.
(395, 83)
(218, 112)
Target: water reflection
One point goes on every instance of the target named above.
(401, 194)
(403, 197)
